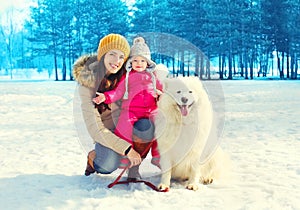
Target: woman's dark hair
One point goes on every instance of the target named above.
(109, 82)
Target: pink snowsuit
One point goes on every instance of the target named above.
(141, 103)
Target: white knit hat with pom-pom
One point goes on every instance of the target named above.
(140, 48)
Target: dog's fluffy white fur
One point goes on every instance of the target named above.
(182, 128)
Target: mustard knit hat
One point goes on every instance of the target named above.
(111, 42)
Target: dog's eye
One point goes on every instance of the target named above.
(178, 91)
(190, 91)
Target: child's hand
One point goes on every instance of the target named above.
(99, 99)
(159, 92)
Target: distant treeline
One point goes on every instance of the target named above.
(208, 38)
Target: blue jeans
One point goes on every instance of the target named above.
(107, 160)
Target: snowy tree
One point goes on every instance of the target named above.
(60, 27)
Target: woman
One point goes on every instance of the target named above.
(101, 73)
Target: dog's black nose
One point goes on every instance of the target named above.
(184, 99)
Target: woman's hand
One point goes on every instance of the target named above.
(134, 157)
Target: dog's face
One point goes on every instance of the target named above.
(183, 94)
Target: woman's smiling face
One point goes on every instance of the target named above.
(113, 61)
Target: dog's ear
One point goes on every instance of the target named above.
(161, 71)
(166, 83)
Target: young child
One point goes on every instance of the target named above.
(139, 89)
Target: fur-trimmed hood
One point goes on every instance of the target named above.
(85, 70)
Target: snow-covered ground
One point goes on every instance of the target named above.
(43, 161)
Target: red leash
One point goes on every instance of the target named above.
(149, 184)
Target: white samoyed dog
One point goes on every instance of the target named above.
(182, 128)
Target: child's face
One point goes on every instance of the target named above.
(139, 63)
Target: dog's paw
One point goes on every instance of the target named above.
(207, 181)
(192, 186)
(163, 187)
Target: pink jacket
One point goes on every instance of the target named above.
(141, 94)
